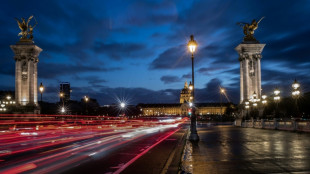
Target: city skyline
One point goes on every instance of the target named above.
(137, 50)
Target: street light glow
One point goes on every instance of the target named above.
(41, 88)
(123, 105)
(86, 98)
(192, 44)
(276, 98)
(63, 109)
(295, 85)
(191, 87)
(264, 97)
(222, 90)
(276, 92)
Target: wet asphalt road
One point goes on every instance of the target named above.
(228, 149)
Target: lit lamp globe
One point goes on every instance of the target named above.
(191, 86)
(276, 91)
(192, 44)
(295, 85)
(123, 105)
(41, 88)
(86, 98)
(222, 90)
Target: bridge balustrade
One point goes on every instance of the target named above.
(292, 125)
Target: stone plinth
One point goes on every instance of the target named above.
(26, 60)
(250, 69)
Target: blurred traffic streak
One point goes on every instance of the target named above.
(49, 143)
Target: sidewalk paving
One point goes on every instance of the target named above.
(229, 149)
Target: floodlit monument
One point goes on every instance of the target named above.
(186, 94)
(250, 54)
(26, 58)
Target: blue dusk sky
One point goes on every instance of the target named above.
(136, 50)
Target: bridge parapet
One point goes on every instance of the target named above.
(291, 125)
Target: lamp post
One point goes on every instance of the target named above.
(123, 105)
(61, 95)
(86, 100)
(192, 44)
(41, 88)
(264, 102)
(276, 98)
(247, 107)
(222, 91)
(295, 95)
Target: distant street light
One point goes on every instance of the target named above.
(63, 110)
(192, 44)
(86, 100)
(123, 105)
(61, 95)
(222, 92)
(276, 98)
(41, 88)
(247, 107)
(295, 95)
(264, 101)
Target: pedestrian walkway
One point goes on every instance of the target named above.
(228, 149)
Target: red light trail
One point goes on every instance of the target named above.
(52, 143)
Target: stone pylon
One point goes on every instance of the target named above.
(250, 54)
(26, 60)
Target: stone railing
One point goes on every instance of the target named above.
(292, 125)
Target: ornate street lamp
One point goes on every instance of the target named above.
(296, 94)
(192, 44)
(41, 88)
(264, 101)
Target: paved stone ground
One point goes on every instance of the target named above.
(228, 149)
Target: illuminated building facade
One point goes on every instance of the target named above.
(186, 94)
(183, 108)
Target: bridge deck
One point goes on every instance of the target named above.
(228, 149)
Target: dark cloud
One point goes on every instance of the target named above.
(154, 13)
(170, 79)
(119, 51)
(53, 70)
(187, 76)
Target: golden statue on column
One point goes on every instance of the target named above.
(26, 29)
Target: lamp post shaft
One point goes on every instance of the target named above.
(193, 77)
(193, 136)
(41, 97)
